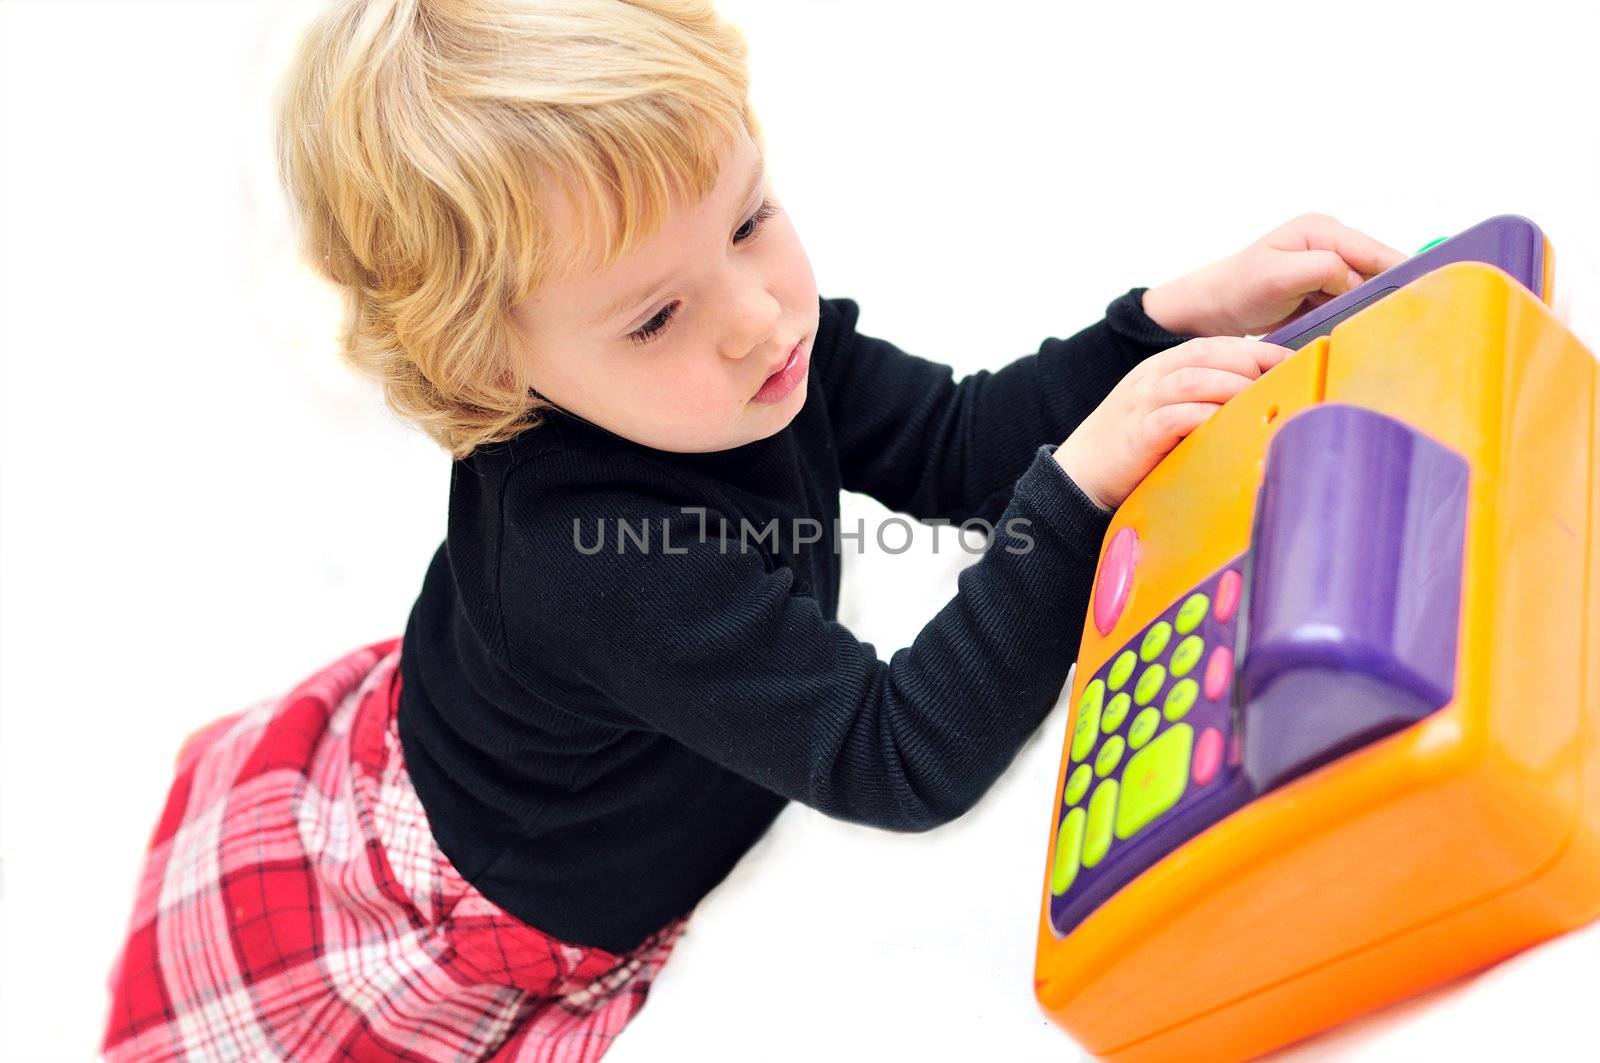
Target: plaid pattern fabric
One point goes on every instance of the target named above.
(294, 906)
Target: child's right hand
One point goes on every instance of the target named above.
(1163, 399)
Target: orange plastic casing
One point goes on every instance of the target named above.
(1439, 849)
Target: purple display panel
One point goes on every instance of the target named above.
(1346, 630)
(1353, 589)
(1509, 241)
(1199, 806)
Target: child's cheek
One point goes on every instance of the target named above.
(700, 395)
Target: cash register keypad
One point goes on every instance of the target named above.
(1150, 734)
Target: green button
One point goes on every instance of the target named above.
(1149, 685)
(1069, 840)
(1122, 669)
(1144, 727)
(1155, 640)
(1116, 712)
(1154, 780)
(1088, 725)
(1435, 242)
(1180, 699)
(1078, 783)
(1097, 831)
(1191, 612)
(1110, 755)
(1187, 655)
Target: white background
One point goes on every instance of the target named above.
(201, 506)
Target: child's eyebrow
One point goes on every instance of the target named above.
(637, 295)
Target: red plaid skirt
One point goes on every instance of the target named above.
(294, 906)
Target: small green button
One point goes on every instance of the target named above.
(1116, 712)
(1088, 725)
(1191, 612)
(1154, 780)
(1078, 783)
(1144, 727)
(1121, 669)
(1110, 755)
(1180, 699)
(1149, 684)
(1187, 655)
(1069, 840)
(1435, 242)
(1155, 640)
(1097, 830)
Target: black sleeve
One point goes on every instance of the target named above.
(925, 445)
(711, 648)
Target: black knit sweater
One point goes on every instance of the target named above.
(598, 736)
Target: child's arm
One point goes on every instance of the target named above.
(924, 444)
(715, 650)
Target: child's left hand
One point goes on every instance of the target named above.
(1293, 269)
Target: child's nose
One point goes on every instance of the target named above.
(753, 329)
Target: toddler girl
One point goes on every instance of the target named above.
(564, 259)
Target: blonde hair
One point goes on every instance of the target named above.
(421, 143)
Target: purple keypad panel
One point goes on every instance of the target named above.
(1162, 761)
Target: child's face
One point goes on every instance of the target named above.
(672, 346)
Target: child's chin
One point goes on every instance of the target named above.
(760, 421)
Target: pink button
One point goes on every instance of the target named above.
(1227, 595)
(1111, 587)
(1207, 756)
(1219, 672)
(1233, 749)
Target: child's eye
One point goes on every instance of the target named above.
(758, 219)
(657, 324)
(653, 328)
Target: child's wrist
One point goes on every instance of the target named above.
(1067, 460)
(1181, 306)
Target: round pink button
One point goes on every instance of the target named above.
(1219, 672)
(1227, 595)
(1115, 580)
(1207, 756)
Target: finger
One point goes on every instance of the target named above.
(1301, 273)
(1166, 426)
(1366, 256)
(1234, 353)
(1308, 304)
(1199, 383)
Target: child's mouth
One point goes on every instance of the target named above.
(780, 384)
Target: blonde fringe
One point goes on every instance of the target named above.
(422, 142)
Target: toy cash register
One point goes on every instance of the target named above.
(1336, 727)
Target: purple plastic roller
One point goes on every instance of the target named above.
(1353, 589)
